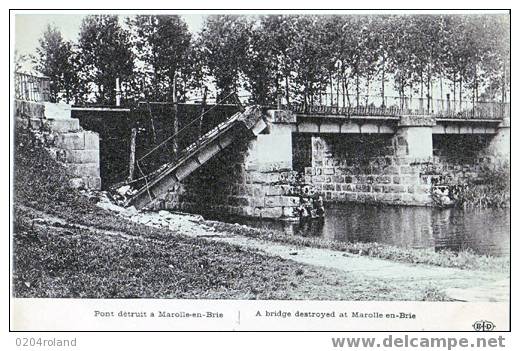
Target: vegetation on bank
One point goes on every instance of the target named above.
(491, 190)
(65, 246)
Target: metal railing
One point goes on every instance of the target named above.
(392, 106)
(31, 88)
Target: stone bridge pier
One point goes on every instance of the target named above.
(414, 138)
(500, 144)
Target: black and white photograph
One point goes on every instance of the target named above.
(294, 156)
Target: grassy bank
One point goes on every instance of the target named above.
(65, 246)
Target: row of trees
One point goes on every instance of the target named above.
(337, 59)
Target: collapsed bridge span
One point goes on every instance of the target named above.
(248, 123)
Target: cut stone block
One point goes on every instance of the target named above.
(57, 111)
(83, 170)
(329, 127)
(62, 125)
(71, 141)
(35, 123)
(274, 212)
(91, 140)
(465, 129)
(451, 129)
(384, 129)
(350, 128)
(80, 156)
(438, 129)
(369, 128)
(308, 127)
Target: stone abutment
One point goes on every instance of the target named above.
(75, 148)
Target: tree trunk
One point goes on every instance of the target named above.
(411, 96)
(454, 89)
(343, 88)
(331, 90)
(287, 90)
(460, 94)
(367, 86)
(175, 120)
(428, 91)
(337, 92)
(476, 91)
(474, 86)
(504, 85)
(357, 87)
(383, 83)
(311, 94)
(345, 80)
(305, 103)
(442, 93)
(422, 85)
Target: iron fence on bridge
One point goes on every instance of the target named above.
(31, 88)
(392, 106)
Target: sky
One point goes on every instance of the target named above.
(29, 28)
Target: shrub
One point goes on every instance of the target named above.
(490, 190)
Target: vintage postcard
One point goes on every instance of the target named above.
(260, 170)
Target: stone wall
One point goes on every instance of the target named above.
(66, 141)
(458, 159)
(367, 169)
(377, 168)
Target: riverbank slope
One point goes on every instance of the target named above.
(66, 246)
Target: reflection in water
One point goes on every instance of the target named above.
(483, 231)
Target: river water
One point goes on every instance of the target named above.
(483, 231)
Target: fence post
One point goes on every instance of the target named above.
(118, 93)
(203, 110)
(448, 107)
(131, 164)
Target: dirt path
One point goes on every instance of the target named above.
(462, 285)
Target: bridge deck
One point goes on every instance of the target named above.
(337, 124)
